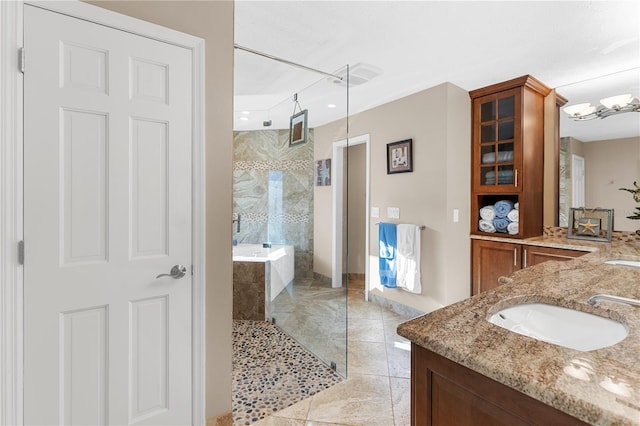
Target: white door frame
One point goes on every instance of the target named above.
(577, 181)
(11, 197)
(338, 187)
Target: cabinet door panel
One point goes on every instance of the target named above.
(452, 404)
(534, 255)
(491, 260)
(446, 393)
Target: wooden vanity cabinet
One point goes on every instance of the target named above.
(493, 259)
(444, 393)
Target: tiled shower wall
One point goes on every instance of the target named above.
(565, 181)
(273, 192)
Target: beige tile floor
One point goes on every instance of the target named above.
(377, 390)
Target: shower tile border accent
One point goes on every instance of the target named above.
(267, 218)
(268, 165)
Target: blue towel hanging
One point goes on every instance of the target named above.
(387, 246)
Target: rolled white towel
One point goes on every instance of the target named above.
(514, 216)
(516, 206)
(486, 226)
(512, 228)
(487, 213)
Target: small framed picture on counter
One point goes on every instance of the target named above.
(590, 224)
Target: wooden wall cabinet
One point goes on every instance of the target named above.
(493, 259)
(508, 151)
(444, 393)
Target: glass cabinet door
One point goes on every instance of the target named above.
(496, 139)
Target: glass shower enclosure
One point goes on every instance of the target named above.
(283, 210)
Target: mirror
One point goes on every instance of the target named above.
(601, 155)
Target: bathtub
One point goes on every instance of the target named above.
(278, 263)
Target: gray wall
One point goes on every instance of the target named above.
(438, 120)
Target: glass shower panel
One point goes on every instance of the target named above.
(283, 181)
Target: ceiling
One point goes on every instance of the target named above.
(568, 45)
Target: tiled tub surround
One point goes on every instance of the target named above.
(273, 192)
(259, 275)
(249, 293)
(598, 387)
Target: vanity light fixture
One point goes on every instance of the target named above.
(609, 106)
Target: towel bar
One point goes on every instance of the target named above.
(422, 227)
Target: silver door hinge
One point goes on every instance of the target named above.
(192, 269)
(21, 59)
(21, 252)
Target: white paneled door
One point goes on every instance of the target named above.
(107, 208)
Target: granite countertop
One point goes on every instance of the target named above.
(601, 387)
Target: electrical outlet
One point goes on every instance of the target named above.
(375, 211)
(456, 215)
(393, 212)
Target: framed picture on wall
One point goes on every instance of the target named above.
(298, 130)
(400, 157)
(323, 172)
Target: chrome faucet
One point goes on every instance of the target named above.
(593, 299)
(237, 221)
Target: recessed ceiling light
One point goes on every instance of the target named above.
(244, 118)
(245, 112)
(331, 106)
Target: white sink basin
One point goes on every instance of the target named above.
(561, 326)
(622, 262)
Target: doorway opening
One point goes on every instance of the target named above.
(341, 218)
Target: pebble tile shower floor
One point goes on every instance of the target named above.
(271, 371)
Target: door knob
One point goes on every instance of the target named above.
(178, 271)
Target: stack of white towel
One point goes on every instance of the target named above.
(502, 217)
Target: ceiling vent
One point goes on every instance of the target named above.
(358, 74)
